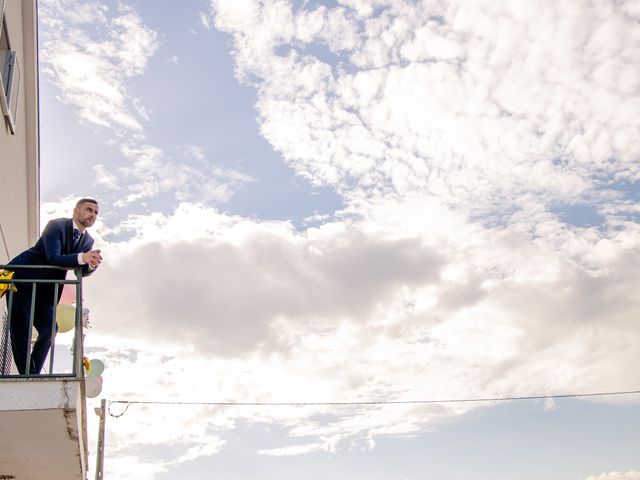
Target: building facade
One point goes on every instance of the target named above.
(19, 134)
(19, 145)
(43, 424)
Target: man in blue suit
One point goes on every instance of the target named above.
(64, 243)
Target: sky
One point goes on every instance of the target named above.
(348, 201)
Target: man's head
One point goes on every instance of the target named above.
(85, 213)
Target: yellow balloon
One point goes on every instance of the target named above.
(66, 317)
(87, 364)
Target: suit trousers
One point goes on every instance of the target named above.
(42, 321)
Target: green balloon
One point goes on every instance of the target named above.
(97, 367)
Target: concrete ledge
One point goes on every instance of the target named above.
(43, 429)
(39, 394)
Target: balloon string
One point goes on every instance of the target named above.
(114, 415)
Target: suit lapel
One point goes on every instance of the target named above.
(68, 242)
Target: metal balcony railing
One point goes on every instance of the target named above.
(6, 356)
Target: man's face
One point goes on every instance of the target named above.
(85, 215)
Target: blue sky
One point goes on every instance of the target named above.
(355, 200)
(210, 109)
(498, 443)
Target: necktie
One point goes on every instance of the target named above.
(76, 239)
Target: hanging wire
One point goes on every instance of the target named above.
(128, 403)
(4, 241)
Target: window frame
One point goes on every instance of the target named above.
(10, 75)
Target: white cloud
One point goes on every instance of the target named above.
(204, 20)
(631, 475)
(132, 467)
(103, 177)
(358, 310)
(293, 450)
(483, 106)
(341, 274)
(151, 173)
(195, 151)
(89, 52)
(452, 129)
(550, 404)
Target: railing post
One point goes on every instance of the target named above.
(78, 344)
(27, 368)
(7, 340)
(54, 327)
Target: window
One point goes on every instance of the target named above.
(10, 73)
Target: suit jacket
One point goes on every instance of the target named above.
(54, 247)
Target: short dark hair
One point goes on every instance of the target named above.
(86, 200)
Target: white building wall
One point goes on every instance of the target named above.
(19, 151)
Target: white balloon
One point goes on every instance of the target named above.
(92, 387)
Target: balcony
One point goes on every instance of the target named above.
(43, 424)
